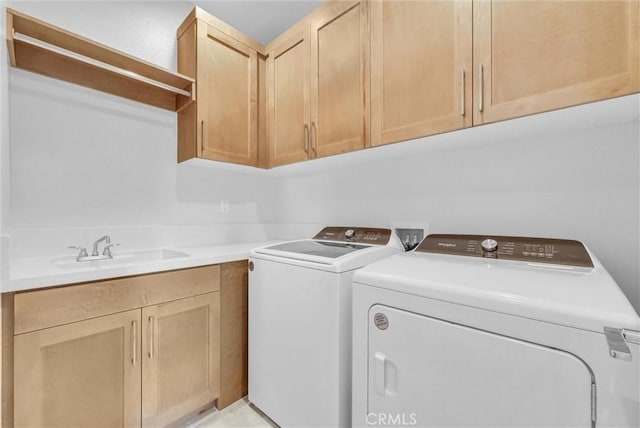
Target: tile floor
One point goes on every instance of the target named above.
(239, 414)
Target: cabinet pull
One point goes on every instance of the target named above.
(134, 339)
(306, 138)
(202, 136)
(151, 332)
(462, 100)
(480, 88)
(314, 138)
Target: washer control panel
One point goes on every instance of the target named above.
(538, 250)
(360, 235)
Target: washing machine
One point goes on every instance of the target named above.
(300, 323)
(478, 331)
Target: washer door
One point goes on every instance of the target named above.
(428, 372)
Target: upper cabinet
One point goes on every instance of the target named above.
(354, 74)
(223, 124)
(288, 115)
(339, 79)
(317, 84)
(534, 56)
(421, 68)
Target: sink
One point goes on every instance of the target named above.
(133, 257)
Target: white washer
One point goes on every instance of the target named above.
(469, 331)
(300, 323)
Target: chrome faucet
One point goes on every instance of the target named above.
(106, 252)
(105, 238)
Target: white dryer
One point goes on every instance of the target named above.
(498, 332)
(300, 323)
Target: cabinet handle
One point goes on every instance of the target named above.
(134, 340)
(462, 100)
(480, 88)
(314, 138)
(151, 332)
(306, 138)
(202, 134)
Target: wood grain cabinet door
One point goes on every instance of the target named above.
(288, 116)
(180, 358)
(421, 59)
(227, 98)
(83, 374)
(534, 56)
(339, 81)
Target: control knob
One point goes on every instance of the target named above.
(349, 233)
(489, 245)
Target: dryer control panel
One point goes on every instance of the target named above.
(538, 250)
(360, 235)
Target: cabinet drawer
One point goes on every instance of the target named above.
(45, 308)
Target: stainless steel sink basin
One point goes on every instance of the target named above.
(133, 257)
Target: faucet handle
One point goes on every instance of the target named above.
(107, 249)
(83, 251)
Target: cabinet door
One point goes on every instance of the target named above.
(420, 68)
(83, 374)
(227, 99)
(288, 93)
(180, 369)
(533, 56)
(339, 81)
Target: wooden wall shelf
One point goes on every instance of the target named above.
(42, 48)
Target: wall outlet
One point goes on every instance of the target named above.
(411, 234)
(224, 205)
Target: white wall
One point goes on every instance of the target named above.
(85, 159)
(580, 184)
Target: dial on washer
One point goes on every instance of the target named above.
(489, 245)
(349, 233)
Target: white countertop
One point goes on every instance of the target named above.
(38, 272)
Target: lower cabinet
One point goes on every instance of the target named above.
(139, 351)
(180, 358)
(85, 374)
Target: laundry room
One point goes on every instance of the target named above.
(157, 158)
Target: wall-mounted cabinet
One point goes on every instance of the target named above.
(354, 74)
(288, 111)
(534, 56)
(223, 124)
(318, 78)
(421, 68)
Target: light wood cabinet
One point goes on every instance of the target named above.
(318, 78)
(180, 358)
(534, 56)
(137, 351)
(84, 374)
(234, 311)
(223, 122)
(340, 79)
(421, 68)
(288, 109)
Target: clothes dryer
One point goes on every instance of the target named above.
(494, 331)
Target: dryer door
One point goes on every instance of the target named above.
(428, 372)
